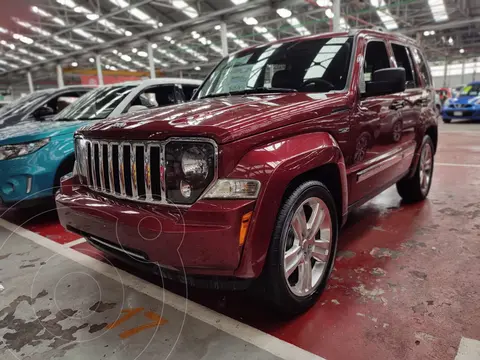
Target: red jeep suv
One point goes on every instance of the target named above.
(254, 178)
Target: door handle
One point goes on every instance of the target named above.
(397, 104)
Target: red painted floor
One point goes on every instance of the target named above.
(406, 284)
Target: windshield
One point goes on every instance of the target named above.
(97, 104)
(471, 90)
(317, 65)
(25, 103)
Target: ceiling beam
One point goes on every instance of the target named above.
(447, 25)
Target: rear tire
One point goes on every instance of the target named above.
(417, 187)
(301, 258)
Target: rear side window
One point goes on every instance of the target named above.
(404, 61)
(376, 58)
(422, 66)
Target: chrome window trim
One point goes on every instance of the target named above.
(147, 145)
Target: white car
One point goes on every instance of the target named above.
(117, 99)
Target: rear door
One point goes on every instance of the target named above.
(379, 143)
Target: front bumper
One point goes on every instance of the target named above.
(472, 113)
(200, 240)
(25, 179)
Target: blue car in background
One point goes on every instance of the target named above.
(465, 106)
(35, 154)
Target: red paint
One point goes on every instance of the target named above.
(273, 138)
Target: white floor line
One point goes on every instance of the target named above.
(264, 341)
(457, 165)
(74, 242)
(469, 349)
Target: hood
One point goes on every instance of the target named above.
(464, 99)
(27, 131)
(224, 119)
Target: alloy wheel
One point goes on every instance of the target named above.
(426, 167)
(308, 247)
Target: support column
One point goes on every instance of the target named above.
(30, 82)
(60, 76)
(463, 71)
(336, 15)
(445, 73)
(180, 75)
(98, 61)
(223, 36)
(151, 63)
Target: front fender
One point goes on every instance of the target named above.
(275, 165)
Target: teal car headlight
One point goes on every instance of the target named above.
(12, 151)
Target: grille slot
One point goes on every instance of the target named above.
(128, 170)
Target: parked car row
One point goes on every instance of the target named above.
(253, 178)
(36, 131)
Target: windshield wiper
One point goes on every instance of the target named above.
(259, 90)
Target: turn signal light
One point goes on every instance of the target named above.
(244, 227)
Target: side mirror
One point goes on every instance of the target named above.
(136, 108)
(386, 81)
(43, 112)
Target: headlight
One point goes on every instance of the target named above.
(189, 169)
(13, 151)
(234, 189)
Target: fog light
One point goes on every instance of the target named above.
(185, 189)
(29, 184)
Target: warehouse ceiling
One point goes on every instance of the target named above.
(38, 34)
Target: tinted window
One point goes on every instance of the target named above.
(161, 95)
(97, 104)
(318, 65)
(376, 58)
(188, 90)
(423, 67)
(403, 60)
(26, 103)
(60, 102)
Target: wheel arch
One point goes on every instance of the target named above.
(65, 166)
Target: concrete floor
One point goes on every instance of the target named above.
(406, 286)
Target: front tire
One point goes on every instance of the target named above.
(302, 250)
(447, 121)
(418, 186)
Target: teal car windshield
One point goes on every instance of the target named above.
(97, 104)
(24, 103)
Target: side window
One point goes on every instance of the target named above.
(376, 58)
(188, 91)
(60, 102)
(156, 96)
(403, 60)
(422, 66)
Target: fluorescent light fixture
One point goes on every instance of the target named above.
(92, 60)
(3, 30)
(439, 12)
(329, 13)
(172, 56)
(92, 16)
(236, 40)
(218, 27)
(298, 26)
(284, 13)
(384, 15)
(184, 7)
(192, 52)
(126, 57)
(36, 56)
(134, 50)
(262, 30)
(48, 49)
(239, 2)
(198, 68)
(128, 33)
(461, 51)
(74, 64)
(88, 35)
(324, 3)
(142, 54)
(250, 21)
(154, 46)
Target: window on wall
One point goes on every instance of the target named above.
(403, 60)
(376, 58)
(422, 65)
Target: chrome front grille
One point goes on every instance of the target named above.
(130, 170)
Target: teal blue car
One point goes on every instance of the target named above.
(36, 152)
